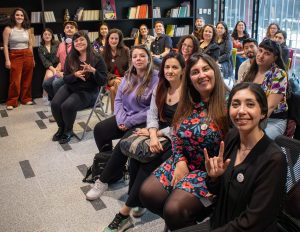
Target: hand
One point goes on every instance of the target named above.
(215, 166)
(122, 127)
(155, 145)
(87, 67)
(181, 171)
(7, 64)
(80, 74)
(59, 74)
(142, 132)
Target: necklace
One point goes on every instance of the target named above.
(173, 96)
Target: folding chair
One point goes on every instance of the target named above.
(98, 103)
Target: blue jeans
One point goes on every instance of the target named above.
(52, 85)
(275, 127)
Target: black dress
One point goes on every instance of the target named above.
(249, 195)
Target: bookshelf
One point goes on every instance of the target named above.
(92, 16)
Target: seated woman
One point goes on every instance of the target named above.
(280, 38)
(268, 71)
(164, 102)
(47, 53)
(271, 31)
(238, 35)
(84, 73)
(143, 37)
(131, 106)
(177, 190)
(208, 43)
(225, 44)
(116, 57)
(188, 45)
(249, 178)
(99, 43)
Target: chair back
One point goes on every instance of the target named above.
(233, 52)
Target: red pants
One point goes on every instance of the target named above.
(21, 71)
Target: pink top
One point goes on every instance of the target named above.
(62, 53)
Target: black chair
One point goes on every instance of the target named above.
(289, 219)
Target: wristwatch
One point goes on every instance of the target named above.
(160, 56)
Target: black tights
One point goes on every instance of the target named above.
(179, 209)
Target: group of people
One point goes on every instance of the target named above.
(223, 161)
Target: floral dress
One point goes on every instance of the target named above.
(193, 135)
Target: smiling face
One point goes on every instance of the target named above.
(203, 78)
(279, 38)
(172, 70)
(113, 40)
(144, 31)
(250, 50)
(47, 36)
(265, 58)
(103, 30)
(140, 59)
(187, 47)
(208, 33)
(245, 111)
(240, 27)
(19, 17)
(70, 30)
(272, 30)
(80, 44)
(159, 28)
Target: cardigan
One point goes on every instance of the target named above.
(249, 195)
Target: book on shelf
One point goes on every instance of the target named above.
(79, 13)
(143, 12)
(138, 12)
(49, 16)
(35, 17)
(134, 32)
(109, 9)
(170, 30)
(187, 4)
(93, 35)
(177, 31)
(156, 12)
(132, 12)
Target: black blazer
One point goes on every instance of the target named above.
(48, 58)
(213, 50)
(249, 195)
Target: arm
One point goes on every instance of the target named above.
(46, 63)
(168, 46)
(99, 73)
(119, 111)
(137, 118)
(265, 203)
(273, 101)
(152, 113)
(227, 52)
(6, 33)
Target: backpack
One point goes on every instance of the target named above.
(93, 172)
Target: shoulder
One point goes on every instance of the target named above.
(7, 30)
(273, 153)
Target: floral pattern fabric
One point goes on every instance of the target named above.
(193, 135)
(275, 82)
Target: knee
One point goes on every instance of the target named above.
(68, 108)
(173, 211)
(145, 193)
(47, 83)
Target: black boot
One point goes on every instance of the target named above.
(57, 136)
(66, 137)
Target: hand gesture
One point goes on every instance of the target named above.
(87, 67)
(215, 166)
(80, 74)
(155, 145)
(181, 171)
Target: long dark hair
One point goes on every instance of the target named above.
(73, 62)
(225, 36)
(272, 47)
(190, 96)
(52, 39)
(235, 34)
(163, 84)
(26, 21)
(258, 92)
(194, 40)
(100, 37)
(268, 34)
(107, 49)
(213, 39)
(140, 35)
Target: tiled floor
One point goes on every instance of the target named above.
(40, 180)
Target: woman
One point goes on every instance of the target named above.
(99, 43)
(47, 53)
(84, 73)
(164, 102)
(188, 45)
(208, 44)
(131, 105)
(249, 178)
(116, 57)
(280, 37)
(268, 71)
(17, 43)
(225, 44)
(177, 190)
(143, 37)
(271, 30)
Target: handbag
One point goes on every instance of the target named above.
(138, 147)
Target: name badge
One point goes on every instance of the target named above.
(240, 177)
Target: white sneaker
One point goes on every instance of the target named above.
(9, 107)
(29, 103)
(96, 191)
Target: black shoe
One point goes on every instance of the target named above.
(66, 137)
(57, 136)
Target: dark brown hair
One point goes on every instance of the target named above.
(26, 21)
(194, 40)
(52, 39)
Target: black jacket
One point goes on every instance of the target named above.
(213, 50)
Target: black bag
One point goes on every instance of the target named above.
(137, 147)
(293, 100)
(100, 160)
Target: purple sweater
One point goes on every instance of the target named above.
(128, 110)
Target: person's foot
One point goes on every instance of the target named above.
(51, 119)
(97, 190)
(29, 103)
(57, 136)
(138, 212)
(9, 107)
(66, 137)
(119, 224)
